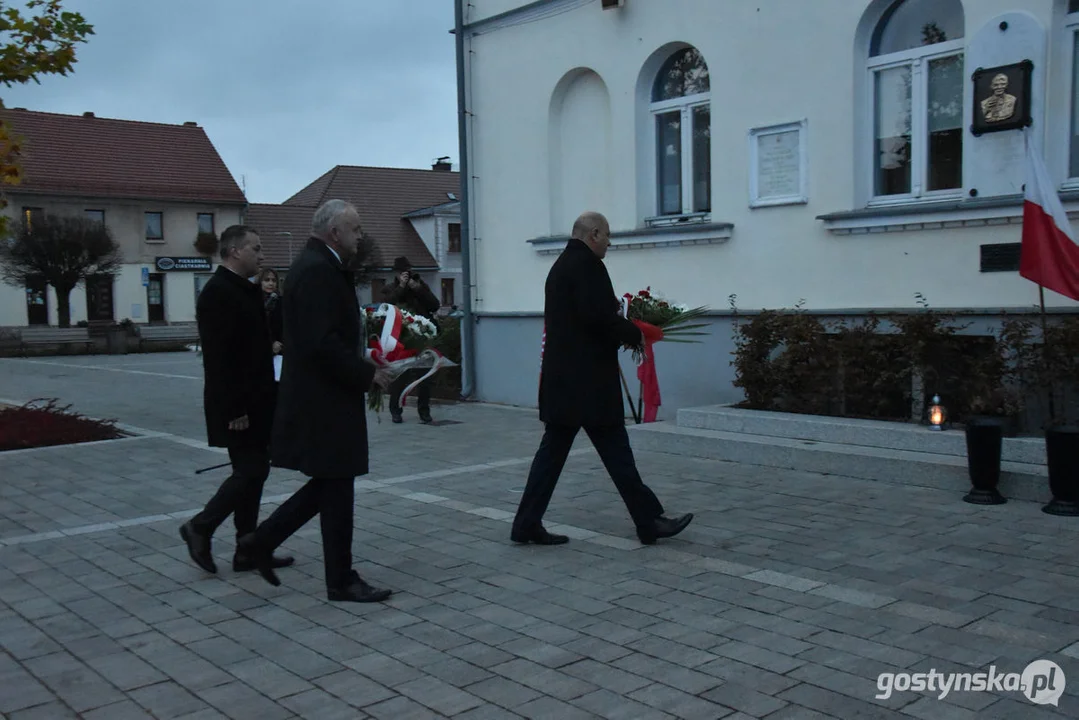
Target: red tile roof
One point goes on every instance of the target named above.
(124, 159)
(267, 220)
(382, 195)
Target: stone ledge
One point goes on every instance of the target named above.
(851, 431)
(1019, 481)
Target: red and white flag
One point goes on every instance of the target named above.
(1049, 254)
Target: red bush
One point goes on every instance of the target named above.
(33, 425)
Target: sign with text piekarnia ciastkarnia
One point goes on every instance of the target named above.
(181, 264)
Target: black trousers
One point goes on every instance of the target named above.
(331, 500)
(422, 393)
(612, 444)
(240, 494)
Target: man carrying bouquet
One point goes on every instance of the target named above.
(580, 388)
(409, 292)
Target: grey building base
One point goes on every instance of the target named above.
(508, 365)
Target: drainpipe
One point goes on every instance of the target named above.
(468, 366)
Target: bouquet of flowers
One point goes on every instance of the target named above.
(658, 320)
(398, 340)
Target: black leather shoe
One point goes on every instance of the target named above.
(249, 547)
(425, 416)
(396, 417)
(243, 563)
(357, 591)
(539, 536)
(198, 547)
(663, 527)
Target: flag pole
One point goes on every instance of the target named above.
(1045, 351)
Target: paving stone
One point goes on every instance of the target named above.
(679, 704)
(438, 696)
(354, 689)
(242, 702)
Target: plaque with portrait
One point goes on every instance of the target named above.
(1002, 98)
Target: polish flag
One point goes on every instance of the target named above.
(1049, 255)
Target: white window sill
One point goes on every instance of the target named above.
(973, 212)
(643, 238)
(159, 241)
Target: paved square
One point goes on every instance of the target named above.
(786, 598)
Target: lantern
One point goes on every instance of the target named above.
(938, 416)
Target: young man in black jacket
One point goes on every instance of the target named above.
(239, 394)
(409, 292)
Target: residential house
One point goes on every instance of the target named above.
(407, 212)
(842, 156)
(155, 186)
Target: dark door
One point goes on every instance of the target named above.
(155, 298)
(99, 299)
(37, 301)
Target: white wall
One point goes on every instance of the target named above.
(543, 150)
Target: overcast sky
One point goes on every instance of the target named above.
(286, 89)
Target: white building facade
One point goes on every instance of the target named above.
(830, 152)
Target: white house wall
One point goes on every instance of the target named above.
(560, 126)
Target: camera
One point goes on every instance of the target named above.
(413, 276)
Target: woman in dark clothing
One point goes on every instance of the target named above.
(272, 302)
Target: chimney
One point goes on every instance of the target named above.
(442, 164)
(88, 114)
(189, 123)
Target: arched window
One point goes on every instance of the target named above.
(683, 120)
(916, 77)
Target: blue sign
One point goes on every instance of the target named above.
(145, 277)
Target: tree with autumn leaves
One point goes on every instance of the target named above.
(40, 43)
(40, 39)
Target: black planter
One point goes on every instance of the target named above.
(1062, 456)
(985, 437)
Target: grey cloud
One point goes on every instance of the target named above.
(286, 89)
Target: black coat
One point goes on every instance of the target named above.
(237, 360)
(274, 316)
(321, 424)
(579, 382)
(418, 301)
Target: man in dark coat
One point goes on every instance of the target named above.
(238, 394)
(580, 387)
(409, 292)
(320, 428)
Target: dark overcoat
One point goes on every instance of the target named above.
(237, 360)
(321, 424)
(579, 381)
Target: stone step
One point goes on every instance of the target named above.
(1021, 481)
(851, 431)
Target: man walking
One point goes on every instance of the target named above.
(409, 292)
(579, 387)
(238, 394)
(320, 427)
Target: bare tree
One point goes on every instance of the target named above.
(63, 250)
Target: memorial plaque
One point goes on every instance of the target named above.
(778, 157)
(1002, 98)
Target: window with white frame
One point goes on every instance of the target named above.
(915, 69)
(683, 122)
(1073, 141)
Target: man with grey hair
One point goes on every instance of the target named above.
(320, 428)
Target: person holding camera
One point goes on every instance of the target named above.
(409, 292)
